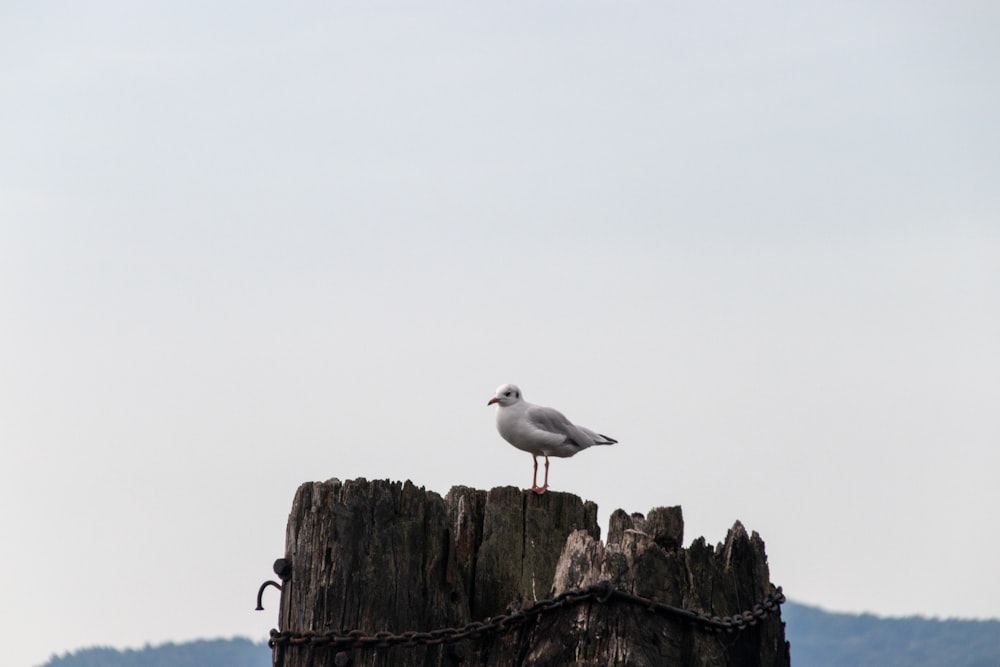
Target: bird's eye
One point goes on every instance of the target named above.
(506, 393)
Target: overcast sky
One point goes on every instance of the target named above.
(246, 245)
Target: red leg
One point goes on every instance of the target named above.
(534, 484)
(534, 476)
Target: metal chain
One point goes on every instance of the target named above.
(600, 593)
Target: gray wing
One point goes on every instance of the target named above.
(553, 421)
(598, 438)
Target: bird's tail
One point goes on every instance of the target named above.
(598, 438)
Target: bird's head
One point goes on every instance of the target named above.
(507, 394)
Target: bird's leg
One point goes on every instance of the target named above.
(534, 482)
(534, 476)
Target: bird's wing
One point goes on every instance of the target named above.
(552, 421)
(598, 438)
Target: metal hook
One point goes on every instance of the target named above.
(260, 593)
(283, 568)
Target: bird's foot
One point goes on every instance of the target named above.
(539, 490)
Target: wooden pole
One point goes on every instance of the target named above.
(390, 557)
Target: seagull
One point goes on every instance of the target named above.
(540, 431)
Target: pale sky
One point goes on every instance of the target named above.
(246, 245)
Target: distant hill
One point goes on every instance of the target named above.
(201, 653)
(819, 639)
(823, 639)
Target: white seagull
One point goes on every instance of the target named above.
(540, 431)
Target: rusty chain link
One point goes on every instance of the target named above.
(600, 593)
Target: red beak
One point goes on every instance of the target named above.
(493, 400)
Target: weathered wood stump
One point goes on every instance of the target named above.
(389, 561)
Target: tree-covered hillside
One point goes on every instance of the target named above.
(201, 653)
(824, 639)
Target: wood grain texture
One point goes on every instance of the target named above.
(380, 555)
